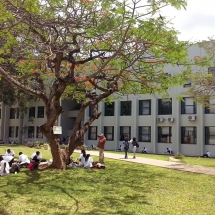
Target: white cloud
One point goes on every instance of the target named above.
(195, 23)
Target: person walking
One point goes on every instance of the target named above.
(126, 146)
(101, 145)
(135, 146)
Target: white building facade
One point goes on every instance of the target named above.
(157, 123)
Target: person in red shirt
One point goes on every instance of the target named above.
(101, 145)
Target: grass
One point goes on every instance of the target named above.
(210, 162)
(123, 188)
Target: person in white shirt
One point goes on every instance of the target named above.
(4, 167)
(23, 160)
(82, 158)
(9, 159)
(145, 150)
(36, 159)
(206, 155)
(88, 161)
(168, 151)
(37, 156)
(9, 152)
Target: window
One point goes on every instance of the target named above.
(31, 132)
(210, 135)
(109, 109)
(91, 110)
(145, 134)
(11, 131)
(31, 112)
(188, 135)
(188, 84)
(17, 131)
(17, 113)
(125, 108)
(12, 113)
(188, 106)
(164, 106)
(40, 112)
(125, 131)
(210, 109)
(165, 134)
(109, 132)
(39, 134)
(92, 133)
(211, 70)
(145, 107)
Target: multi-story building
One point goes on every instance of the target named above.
(157, 123)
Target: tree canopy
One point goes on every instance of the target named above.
(58, 49)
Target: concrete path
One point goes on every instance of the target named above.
(159, 163)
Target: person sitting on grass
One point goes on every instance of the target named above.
(23, 160)
(206, 155)
(9, 159)
(9, 152)
(168, 151)
(4, 167)
(145, 150)
(36, 159)
(88, 161)
(82, 158)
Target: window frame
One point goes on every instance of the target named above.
(208, 109)
(183, 134)
(160, 134)
(161, 106)
(31, 114)
(207, 135)
(90, 133)
(106, 133)
(141, 107)
(12, 113)
(38, 133)
(183, 106)
(122, 134)
(11, 131)
(17, 132)
(123, 108)
(39, 115)
(31, 128)
(140, 129)
(109, 109)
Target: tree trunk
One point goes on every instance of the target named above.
(60, 156)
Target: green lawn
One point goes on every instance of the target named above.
(123, 188)
(188, 160)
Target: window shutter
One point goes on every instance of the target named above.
(159, 134)
(140, 107)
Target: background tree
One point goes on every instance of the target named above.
(57, 49)
(202, 87)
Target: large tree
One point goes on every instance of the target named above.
(55, 49)
(202, 87)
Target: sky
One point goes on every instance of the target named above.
(196, 23)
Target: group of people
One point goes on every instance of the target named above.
(7, 160)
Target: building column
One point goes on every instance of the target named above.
(134, 115)
(101, 125)
(177, 124)
(154, 133)
(200, 130)
(116, 127)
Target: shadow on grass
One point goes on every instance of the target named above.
(82, 191)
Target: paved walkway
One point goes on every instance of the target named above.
(159, 163)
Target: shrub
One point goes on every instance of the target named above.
(179, 156)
